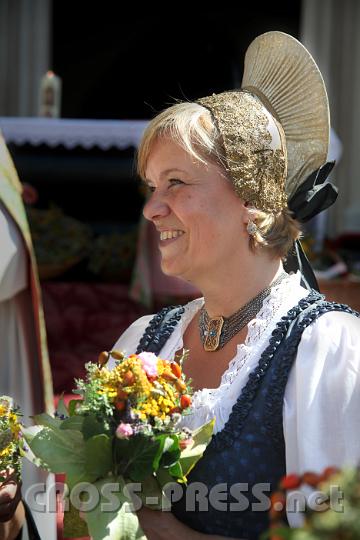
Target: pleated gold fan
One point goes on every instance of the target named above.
(283, 74)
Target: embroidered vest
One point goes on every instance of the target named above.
(228, 490)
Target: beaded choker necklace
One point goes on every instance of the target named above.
(216, 332)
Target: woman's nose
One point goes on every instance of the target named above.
(155, 207)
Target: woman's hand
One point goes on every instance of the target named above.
(159, 525)
(12, 514)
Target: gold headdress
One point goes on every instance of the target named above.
(275, 130)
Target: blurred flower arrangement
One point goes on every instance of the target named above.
(125, 428)
(11, 442)
(335, 514)
(112, 256)
(60, 241)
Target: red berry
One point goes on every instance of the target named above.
(278, 501)
(184, 443)
(290, 481)
(120, 405)
(329, 471)
(118, 355)
(121, 394)
(129, 378)
(103, 358)
(310, 478)
(185, 401)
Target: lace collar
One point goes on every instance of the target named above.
(281, 298)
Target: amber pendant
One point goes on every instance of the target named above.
(213, 334)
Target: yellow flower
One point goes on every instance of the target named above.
(6, 452)
(3, 411)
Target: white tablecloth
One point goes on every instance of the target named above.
(72, 132)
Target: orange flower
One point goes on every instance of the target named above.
(176, 369)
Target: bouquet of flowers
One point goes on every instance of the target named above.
(332, 510)
(121, 436)
(11, 442)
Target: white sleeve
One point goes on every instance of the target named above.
(13, 257)
(322, 398)
(129, 340)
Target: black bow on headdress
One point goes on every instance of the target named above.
(312, 197)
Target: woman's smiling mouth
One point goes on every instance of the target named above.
(166, 236)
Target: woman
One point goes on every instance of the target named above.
(276, 366)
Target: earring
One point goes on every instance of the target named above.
(251, 228)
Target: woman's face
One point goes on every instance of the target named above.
(200, 219)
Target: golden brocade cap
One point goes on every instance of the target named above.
(275, 129)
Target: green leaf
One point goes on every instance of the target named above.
(30, 432)
(61, 407)
(73, 422)
(89, 425)
(190, 456)
(47, 420)
(177, 472)
(165, 444)
(171, 453)
(98, 456)
(92, 426)
(151, 493)
(73, 403)
(141, 454)
(61, 451)
(163, 476)
(119, 523)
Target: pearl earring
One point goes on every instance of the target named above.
(251, 228)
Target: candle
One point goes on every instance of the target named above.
(50, 95)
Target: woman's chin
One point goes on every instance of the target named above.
(172, 270)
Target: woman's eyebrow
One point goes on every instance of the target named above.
(168, 171)
(165, 173)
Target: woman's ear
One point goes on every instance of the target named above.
(246, 211)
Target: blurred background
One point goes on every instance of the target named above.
(78, 83)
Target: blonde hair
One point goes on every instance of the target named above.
(190, 125)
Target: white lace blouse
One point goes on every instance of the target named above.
(321, 413)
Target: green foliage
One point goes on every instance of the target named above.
(98, 456)
(100, 439)
(120, 523)
(190, 456)
(94, 401)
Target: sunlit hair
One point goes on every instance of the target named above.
(191, 127)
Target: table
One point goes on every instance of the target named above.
(70, 133)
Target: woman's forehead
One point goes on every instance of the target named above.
(166, 156)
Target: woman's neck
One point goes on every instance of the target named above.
(233, 288)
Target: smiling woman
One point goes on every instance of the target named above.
(183, 208)
(275, 363)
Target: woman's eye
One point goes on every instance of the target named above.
(175, 181)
